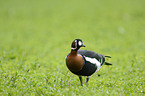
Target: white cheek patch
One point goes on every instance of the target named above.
(80, 43)
(94, 61)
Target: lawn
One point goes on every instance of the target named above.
(35, 38)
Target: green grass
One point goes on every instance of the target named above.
(35, 37)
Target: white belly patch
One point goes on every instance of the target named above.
(94, 61)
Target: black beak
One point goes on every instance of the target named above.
(83, 45)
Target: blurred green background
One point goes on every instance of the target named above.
(35, 37)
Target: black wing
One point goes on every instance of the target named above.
(99, 57)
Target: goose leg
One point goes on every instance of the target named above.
(87, 79)
(80, 77)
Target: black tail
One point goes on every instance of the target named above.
(108, 56)
(106, 63)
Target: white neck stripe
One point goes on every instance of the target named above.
(73, 48)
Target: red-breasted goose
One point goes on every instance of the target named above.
(84, 62)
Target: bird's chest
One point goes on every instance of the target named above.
(74, 63)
